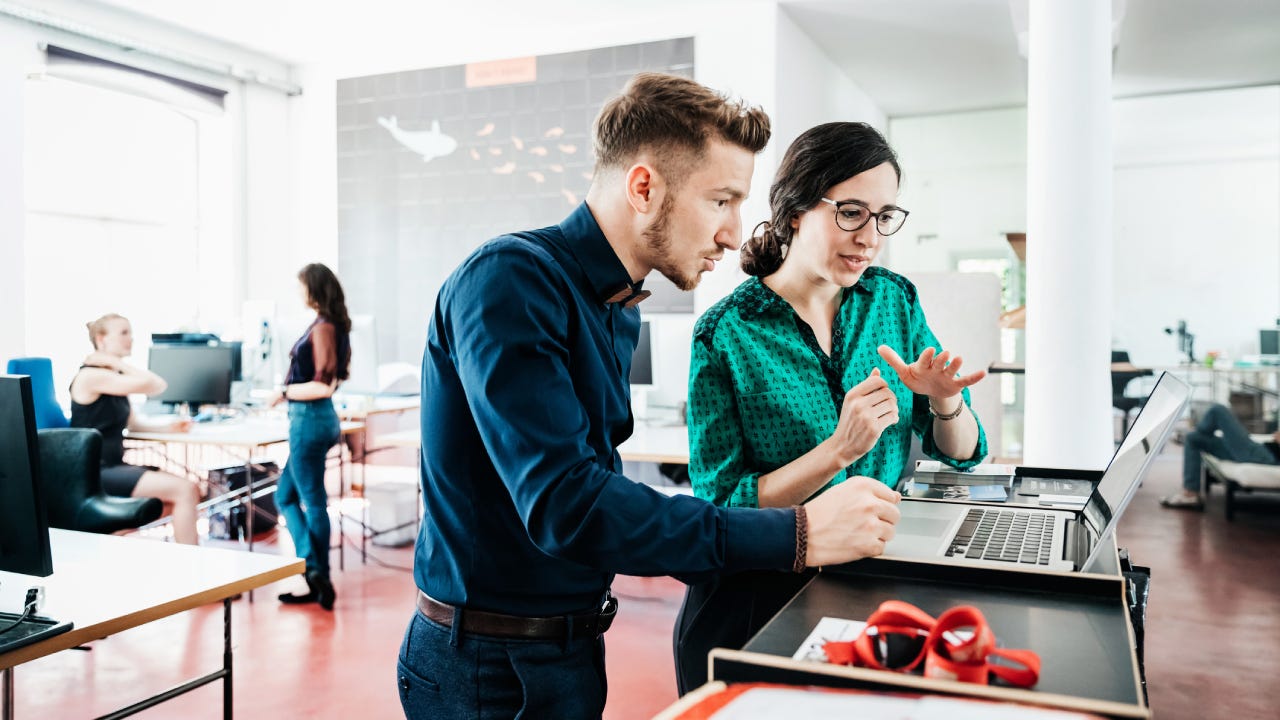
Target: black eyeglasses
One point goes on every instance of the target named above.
(851, 215)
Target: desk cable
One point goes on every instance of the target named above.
(31, 605)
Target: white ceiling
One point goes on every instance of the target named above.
(911, 56)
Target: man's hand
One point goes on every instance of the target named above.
(868, 408)
(851, 521)
(935, 375)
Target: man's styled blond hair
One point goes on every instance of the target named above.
(673, 118)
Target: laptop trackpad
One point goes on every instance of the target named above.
(926, 527)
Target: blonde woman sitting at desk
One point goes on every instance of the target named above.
(100, 400)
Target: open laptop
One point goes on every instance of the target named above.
(1030, 539)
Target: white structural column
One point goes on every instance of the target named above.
(15, 54)
(1069, 209)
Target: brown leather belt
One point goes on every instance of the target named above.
(479, 622)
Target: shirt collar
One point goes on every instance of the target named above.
(758, 298)
(605, 272)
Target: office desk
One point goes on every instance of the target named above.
(250, 436)
(361, 407)
(372, 410)
(1017, 368)
(657, 443)
(106, 584)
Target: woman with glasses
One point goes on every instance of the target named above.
(815, 370)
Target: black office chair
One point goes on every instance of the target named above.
(1119, 381)
(71, 479)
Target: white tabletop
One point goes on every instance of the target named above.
(657, 443)
(105, 584)
(251, 432)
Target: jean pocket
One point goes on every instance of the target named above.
(413, 687)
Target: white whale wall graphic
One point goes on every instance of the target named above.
(430, 144)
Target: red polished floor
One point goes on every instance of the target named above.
(1213, 637)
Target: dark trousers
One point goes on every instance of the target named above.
(1234, 445)
(300, 493)
(726, 612)
(447, 674)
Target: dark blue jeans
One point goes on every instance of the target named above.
(300, 494)
(442, 674)
(1234, 445)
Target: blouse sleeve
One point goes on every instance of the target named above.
(324, 350)
(718, 468)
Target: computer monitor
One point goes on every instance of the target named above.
(24, 524)
(642, 359)
(196, 374)
(204, 339)
(1269, 341)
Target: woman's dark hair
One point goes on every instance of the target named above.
(821, 158)
(326, 296)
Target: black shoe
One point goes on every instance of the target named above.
(322, 588)
(297, 598)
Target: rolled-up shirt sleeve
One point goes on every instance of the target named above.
(510, 331)
(718, 466)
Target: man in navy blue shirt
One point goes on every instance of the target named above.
(525, 401)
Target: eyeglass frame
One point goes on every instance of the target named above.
(870, 215)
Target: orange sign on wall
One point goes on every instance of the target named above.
(502, 72)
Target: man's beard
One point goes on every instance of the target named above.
(659, 236)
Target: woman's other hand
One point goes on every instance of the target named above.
(868, 408)
(936, 375)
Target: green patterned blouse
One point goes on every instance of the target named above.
(762, 392)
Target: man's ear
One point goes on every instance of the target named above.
(644, 188)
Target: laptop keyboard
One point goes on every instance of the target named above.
(1006, 535)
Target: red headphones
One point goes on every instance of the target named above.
(892, 641)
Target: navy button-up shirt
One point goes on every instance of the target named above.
(524, 403)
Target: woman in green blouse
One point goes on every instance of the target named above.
(797, 380)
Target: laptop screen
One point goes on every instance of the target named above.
(1140, 445)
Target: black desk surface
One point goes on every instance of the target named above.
(1078, 625)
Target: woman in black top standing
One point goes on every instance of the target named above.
(100, 400)
(319, 361)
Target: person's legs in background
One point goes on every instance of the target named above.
(180, 497)
(1232, 444)
(301, 495)
(288, 502)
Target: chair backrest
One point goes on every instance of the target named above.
(70, 472)
(1121, 380)
(48, 412)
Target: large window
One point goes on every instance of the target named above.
(116, 185)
